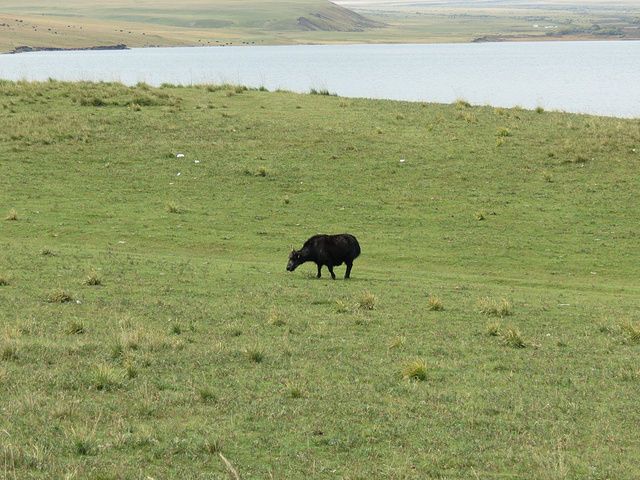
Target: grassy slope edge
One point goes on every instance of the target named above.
(149, 326)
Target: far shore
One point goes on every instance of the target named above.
(24, 31)
(24, 48)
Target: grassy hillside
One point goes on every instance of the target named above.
(81, 24)
(272, 15)
(149, 329)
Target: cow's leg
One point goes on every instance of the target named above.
(333, 275)
(319, 268)
(349, 265)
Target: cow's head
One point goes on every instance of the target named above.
(294, 260)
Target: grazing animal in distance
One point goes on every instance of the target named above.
(329, 250)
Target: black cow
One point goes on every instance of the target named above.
(329, 250)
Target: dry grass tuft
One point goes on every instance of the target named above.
(415, 370)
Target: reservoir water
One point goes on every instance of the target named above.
(600, 78)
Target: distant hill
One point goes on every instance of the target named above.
(80, 24)
(333, 17)
(270, 15)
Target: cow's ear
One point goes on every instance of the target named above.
(293, 249)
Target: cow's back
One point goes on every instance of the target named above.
(343, 247)
(353, 245)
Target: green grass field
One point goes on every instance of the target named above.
(149, 329)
